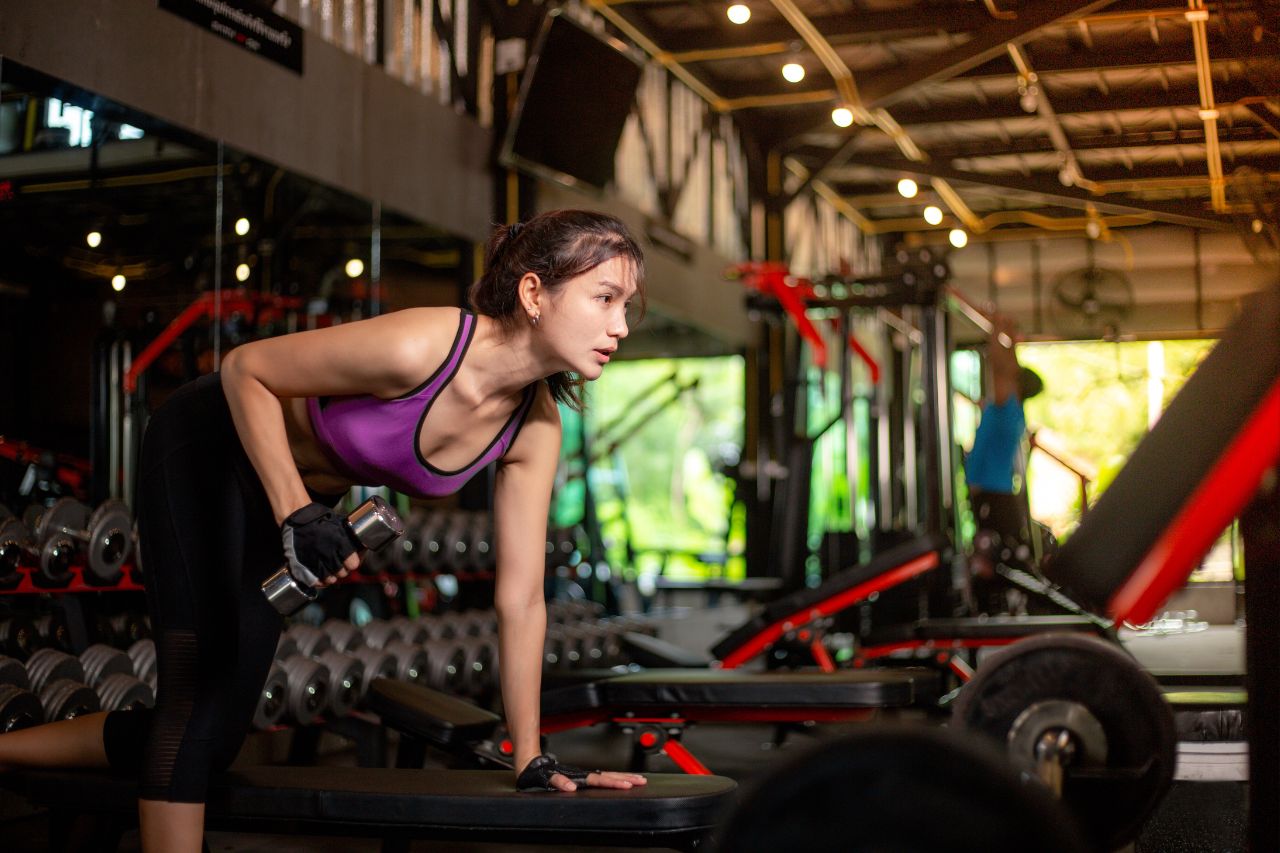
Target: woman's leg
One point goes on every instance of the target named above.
(205, 526)
(67, 743)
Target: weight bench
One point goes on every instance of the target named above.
(399, 806)
(655, 707)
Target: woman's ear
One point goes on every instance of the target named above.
(529, 292)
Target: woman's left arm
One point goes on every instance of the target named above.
(521, 501)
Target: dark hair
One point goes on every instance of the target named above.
(1029, 383)
(556, 246)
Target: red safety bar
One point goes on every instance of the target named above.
(1220, 497)
(956, 644)
(836, 603)
(774, 279)
(236, 301)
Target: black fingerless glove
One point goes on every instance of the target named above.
(316, 543)
(537, 775)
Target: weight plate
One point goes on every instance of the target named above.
(273, 701)
(15, 545)
(110, 539)
(908, 790)
(1113, 801)
(64, 514)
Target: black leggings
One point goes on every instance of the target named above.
(208, 539)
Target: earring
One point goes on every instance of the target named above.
(534, 318)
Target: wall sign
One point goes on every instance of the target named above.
(247, 24)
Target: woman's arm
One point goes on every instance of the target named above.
(384, 356)
(521, 502)
(522, 499)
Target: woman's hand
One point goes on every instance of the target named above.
(544, 773)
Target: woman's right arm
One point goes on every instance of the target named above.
(383, 356)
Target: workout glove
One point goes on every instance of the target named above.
(316, 543)
(537, 775)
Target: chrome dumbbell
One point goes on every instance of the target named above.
(373, 524)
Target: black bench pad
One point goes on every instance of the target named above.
(436, 717)
(804, 599)
(730, 688)
(986, 627)
(372, 801)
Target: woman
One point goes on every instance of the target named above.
(236, 463)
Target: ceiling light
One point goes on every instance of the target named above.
(793, 72)
(242, 272)
(242, 226)
(355, 267)
(842, 116)
(117, 282)
(739, 14)
(958, 238)
(933, 215)
(907, 188)
(1256, 225)
(94, 239)
(1093, 229)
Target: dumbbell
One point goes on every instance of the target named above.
(563, 650)
(19, 637)
(65, 699)
(374, 663)
(343, 636)
(307, 693)
(481, 535)
(122, 691)
(273, 700)
(429, 542)
(67, 529)
(100, 660)
(310, 641)
(16, 548)
(19, 707)
(53, 631)
(446, 666)
(373, 524)
(346, 681)
(48, 665)
(143, 656)
(378, 633)
(130, 628)
(412, 662)
(409, 630)
(478, 654)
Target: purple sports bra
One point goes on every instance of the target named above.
(374, 441)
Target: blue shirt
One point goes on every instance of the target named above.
(995, 446)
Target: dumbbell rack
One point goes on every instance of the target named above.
(30, 582)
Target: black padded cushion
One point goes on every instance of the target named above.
(572, 699)
(781, 608)
(650, 651)
(436, 717)
(1171, 461)
(480, 801)
(731, 688)
(986, 627)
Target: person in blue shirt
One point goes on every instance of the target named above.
(1000, 514)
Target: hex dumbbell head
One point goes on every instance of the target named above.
(273, 701)
(122, 692)
(19, 708)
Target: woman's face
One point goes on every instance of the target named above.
(587, 317)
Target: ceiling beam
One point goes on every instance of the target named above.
(845, 28)
(1264, 116)
(863, 185)
(1039, 144)
(1051, 190)
(1141, 55)
(986, 43)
